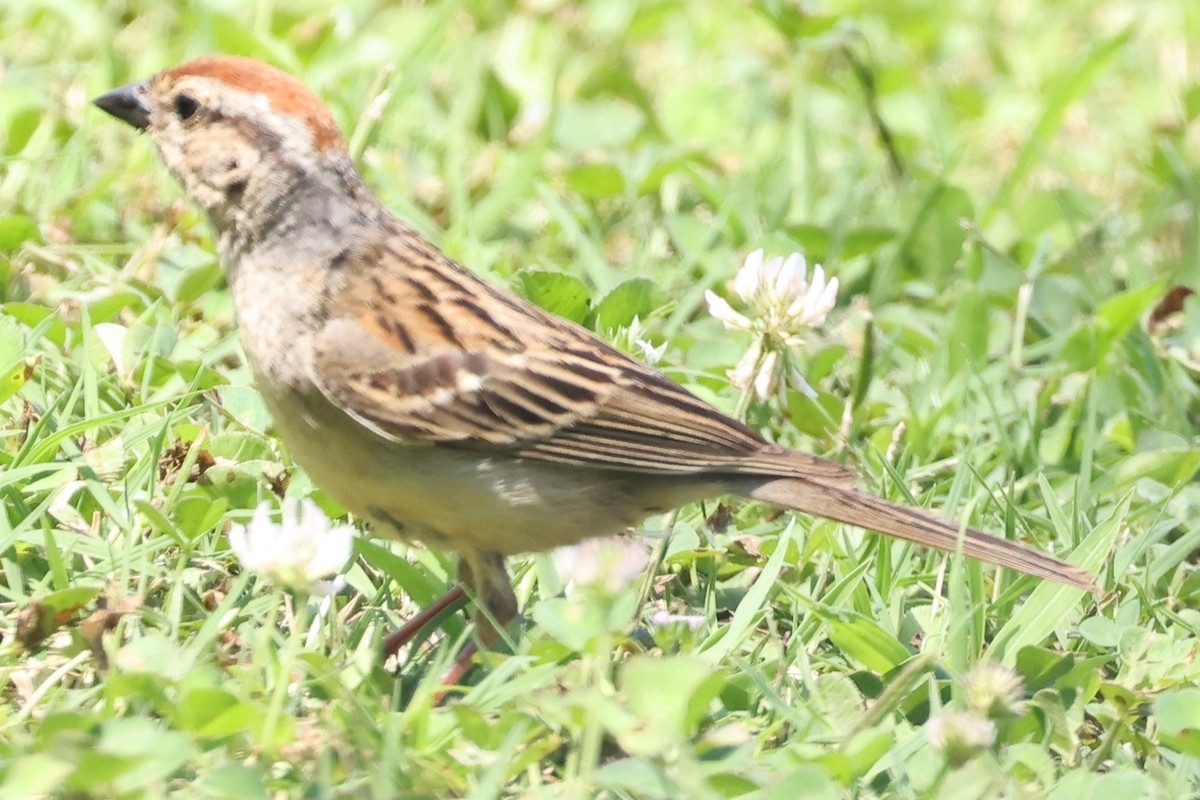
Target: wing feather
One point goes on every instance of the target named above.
(398, 360)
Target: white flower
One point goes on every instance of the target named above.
(631, 340)
(660, 619)
(606, 565)
(994, 690)
(958, 735)
(296, 552)
(779, 296)
(782, 305)
(650, 354)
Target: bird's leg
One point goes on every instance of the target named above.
(406, 632)
(495, 608)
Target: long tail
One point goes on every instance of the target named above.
(846, 504)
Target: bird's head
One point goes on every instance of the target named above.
(239, 134)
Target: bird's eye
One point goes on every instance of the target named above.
(185, 106)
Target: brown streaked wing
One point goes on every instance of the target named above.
(587, 406)
(413, 364)
(654, 425)
(484, 398)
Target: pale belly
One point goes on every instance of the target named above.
(463, 500)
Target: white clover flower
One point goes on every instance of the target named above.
(632, 340)
(650, 354)
(296, 552)
(782, 305)
(994, 690)
(605, 565)
(959, 735)
(659, 619)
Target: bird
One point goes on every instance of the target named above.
(437, 406)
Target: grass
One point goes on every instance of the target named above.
(1005, 194)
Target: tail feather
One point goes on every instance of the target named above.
(846, 504)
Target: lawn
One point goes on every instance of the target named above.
(1008, 195)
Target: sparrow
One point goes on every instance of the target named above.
(439, 407)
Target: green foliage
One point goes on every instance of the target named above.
(1005, 192)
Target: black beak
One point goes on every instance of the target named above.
(126, 103)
